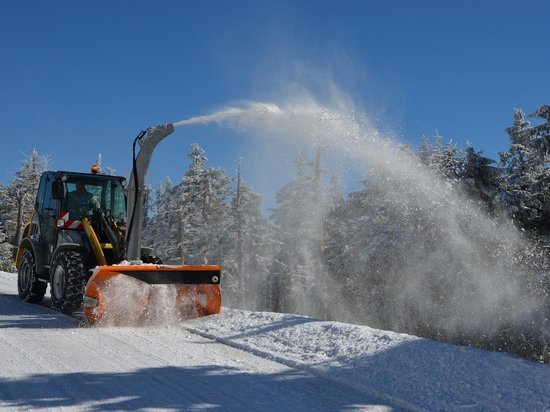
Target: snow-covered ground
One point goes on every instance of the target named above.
(243, 360)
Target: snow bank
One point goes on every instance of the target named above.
(407, 371)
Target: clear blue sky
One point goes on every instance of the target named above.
(80, 78)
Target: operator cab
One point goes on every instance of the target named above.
(80, 194)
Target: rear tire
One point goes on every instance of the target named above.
(29, 287)
(68, 282)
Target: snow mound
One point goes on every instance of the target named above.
(404, 370)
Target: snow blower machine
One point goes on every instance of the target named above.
(84, 239)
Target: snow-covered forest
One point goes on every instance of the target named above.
(384, 255)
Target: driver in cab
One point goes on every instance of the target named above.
(80, 202)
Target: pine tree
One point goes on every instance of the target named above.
(526, 173)
(445, 159)
(203, 209)
(248, 250)
(297, 279)
(480, 179)
(363, 235)
(16, 205)
(161, 232)
(7, 225)
(23, 189)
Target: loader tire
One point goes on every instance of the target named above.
(29, 287)
(68, 281)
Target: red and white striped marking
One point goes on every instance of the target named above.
(70, 224)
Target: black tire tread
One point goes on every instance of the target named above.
(35, 290)
(75, 282)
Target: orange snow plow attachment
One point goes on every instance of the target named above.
(137, 294)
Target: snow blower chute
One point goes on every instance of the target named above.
(84, 238)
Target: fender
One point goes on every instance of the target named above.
(35, 247)
(16, 257)
(64, 247)
(26, 244)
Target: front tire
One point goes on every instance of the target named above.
(29, 287)
(68, 281)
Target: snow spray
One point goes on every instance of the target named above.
(133, 303)
(470, 258)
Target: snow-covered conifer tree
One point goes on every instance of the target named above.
(23, 189)
(7, 226)
(480, 179)
(202, 199)
(526, 173)
(162, 232)
(297, 278)
(248, 250)
(445, 159)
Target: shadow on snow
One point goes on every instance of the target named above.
(21, 315)
(181, 388)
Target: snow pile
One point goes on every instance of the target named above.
(403, 370)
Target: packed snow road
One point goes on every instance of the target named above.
(243, 360)
(49, 361)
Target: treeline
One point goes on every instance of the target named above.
(387, 255)
(374, 256)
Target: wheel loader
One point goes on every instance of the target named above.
(84, 239)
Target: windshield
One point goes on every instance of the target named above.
(84, 194)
